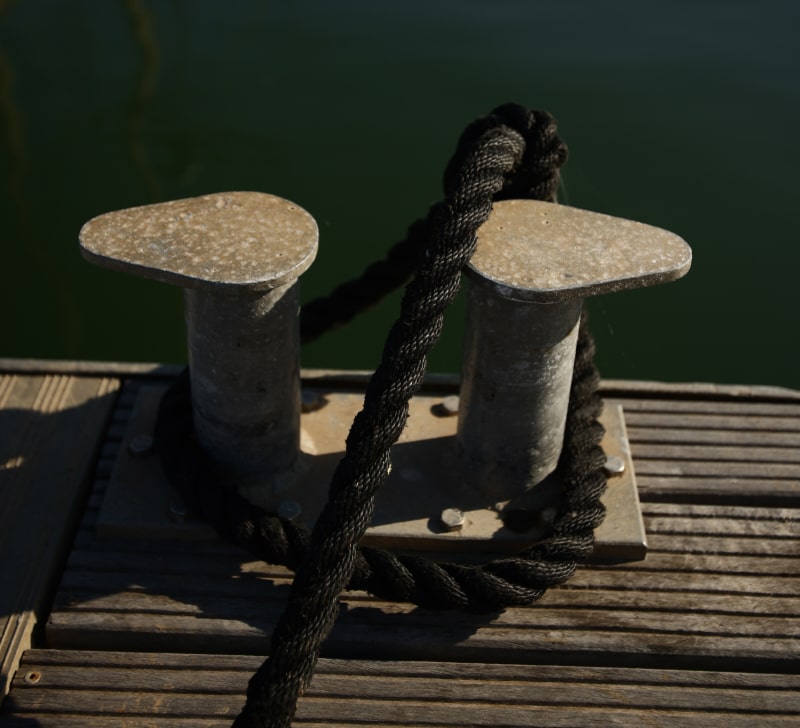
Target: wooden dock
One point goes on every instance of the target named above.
(112, 632)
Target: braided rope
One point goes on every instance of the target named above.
(511, 153)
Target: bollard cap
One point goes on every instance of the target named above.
(541, 252)
(242, 240)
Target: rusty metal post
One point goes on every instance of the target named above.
(534, 265)
(238, 256)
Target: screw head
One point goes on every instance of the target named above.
(448, 407)
(614, 465)
(289, 510)
(140, 445)
(452, 518)
(178, 510)
(311, 401)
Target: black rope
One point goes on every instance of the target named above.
(535, 178)
(512, 152)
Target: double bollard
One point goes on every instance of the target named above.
(239, 255)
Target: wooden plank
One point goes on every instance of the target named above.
(710, 436)
(722, 545)
(716, 453)
(641, 389)
(71, 367)
(716, 490)
(718, 593)
(764, 518)
(50, 430)
(673, 405)
(706, 469)
(688, 592)
(690, 421)
(58, 688)
(558, 629)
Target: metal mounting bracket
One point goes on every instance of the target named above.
(424, 505)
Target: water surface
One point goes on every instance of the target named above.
(678, 114)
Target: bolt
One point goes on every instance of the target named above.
(534, 264)
(614, 466)
(548, 515)
(448, 407)
(178, 511)
(238, 256)
(289, 510)
(140, 445)
(311, 401)
(452, 518)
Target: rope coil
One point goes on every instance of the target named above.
(511, 153)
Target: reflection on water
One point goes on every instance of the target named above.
(681, 116)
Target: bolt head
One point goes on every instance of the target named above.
(448, 407)
(140, 445)
(311, 401)
(178, 511)
(614, 465)
(289, 510)
(452, 518)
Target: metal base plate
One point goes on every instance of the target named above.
(424, 481)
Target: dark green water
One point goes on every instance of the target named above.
(679, 114)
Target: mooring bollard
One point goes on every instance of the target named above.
(534, 265)
(238, 256)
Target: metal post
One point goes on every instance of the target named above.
(244, 364)
(238, 256)
(534, 264)
(515, 380)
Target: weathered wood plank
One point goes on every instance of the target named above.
(722, 545)
(691, 421)
(63, 686)
(71, 367)
(578, 636)
(51, 427)
(680, 595)
(679, 435)
(164, 568)
(719, 590)
(716, 407)
(716, 469)
(718, 453)
(707, 391)
(672, 488)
